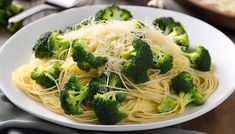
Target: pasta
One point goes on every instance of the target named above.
(112, 39)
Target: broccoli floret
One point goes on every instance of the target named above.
(41, 49)
(200, 59)
(15, 9)
(192, 97)
(8, 14)
(72, 96)
(14, 27)
(7, 10)
(183, 82)
(86, 60)
(67, 29)
(183, 85)
(167, 105)
(108, 111)
(43, 76)
(121, 97)
(162, 61)
(139, 25)
(182, 40)
(174, 30)
(95, 86)
(163, 23)
(12, 10)
(5, 3)
(113, 13)
(129, 53)
(115, 81)
(140, 59)
(50, 45)
(83, 23)
(57, 44)
(2, 17)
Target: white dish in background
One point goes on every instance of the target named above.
(17, 51)
(210, 12)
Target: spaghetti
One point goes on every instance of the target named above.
(112, 39)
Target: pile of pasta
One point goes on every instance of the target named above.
(111, 39)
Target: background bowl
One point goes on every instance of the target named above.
(210, 13)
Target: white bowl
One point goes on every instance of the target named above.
(18, 49)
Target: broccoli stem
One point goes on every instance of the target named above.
(167, 105)
(185, 99)
(130, 53)
(14, 27)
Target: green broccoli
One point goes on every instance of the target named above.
(72, 96)
(115, 81)
(2, 17)
(162, 61)
(5, 3)
(121, 97)
(129, 53)
(167, 105)
(86, 60)
(96, 86)
(139, 25)
(200, 59)
(187, 92)
(181, 40)
(182, 82)
(107, 110)
(113, 13)
(7, 10)
(67, 29)
(83, 23)
(15, 9)
(174, 30)
(57, 44)
(138, 32)
(14, 27)
(140, 59)
(50, 45)
(43, 76)
(8, 14)
(163, 23)
(41, 49)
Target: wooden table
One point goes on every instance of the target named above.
(218, 121)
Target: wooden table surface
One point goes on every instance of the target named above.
(220, 120)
